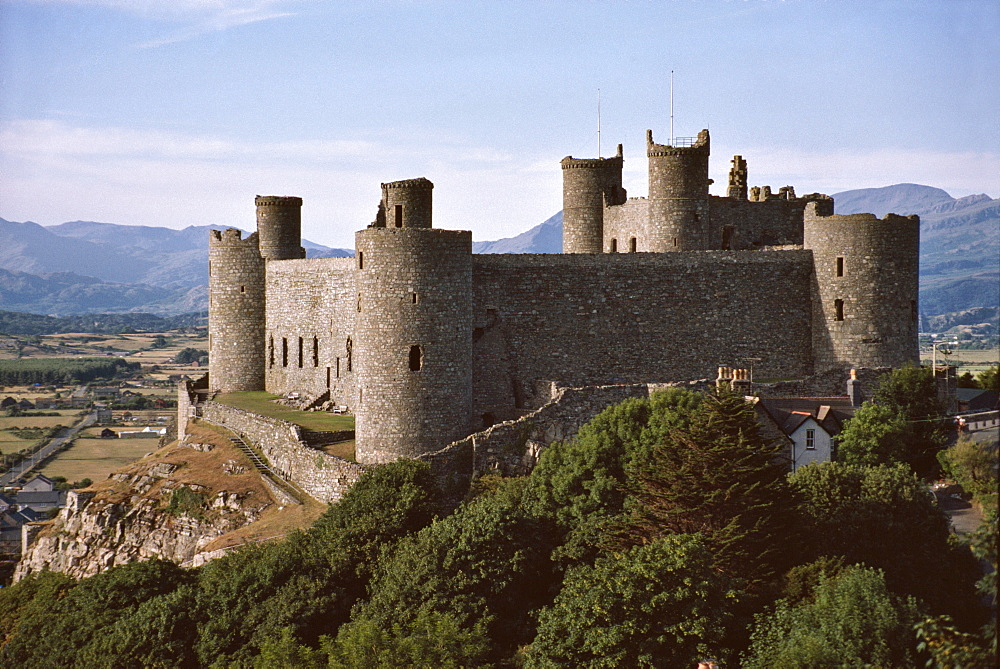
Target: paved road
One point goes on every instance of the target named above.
(54, 445)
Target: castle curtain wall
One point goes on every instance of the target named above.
(633, 318)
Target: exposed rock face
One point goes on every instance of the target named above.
(172, 505)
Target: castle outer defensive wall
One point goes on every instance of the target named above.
(426, 343)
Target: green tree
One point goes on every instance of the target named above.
(485, 565)
(658, 605)
(718, 476)
(886, 518)
(851, 620)
(582, 483)
(906, 424)
(989, 378)
(973, 465)
(309, 582)
(432, 640)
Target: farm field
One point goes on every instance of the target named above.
(96, 458)
(966, 360)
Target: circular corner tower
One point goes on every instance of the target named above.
(678, 194)
(279, 227)
(235, 312)
(865, 293)
(413, 341)
(588, 185)
(408, 203)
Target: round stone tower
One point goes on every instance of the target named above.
(588, 185)
(279, 227)
(235, 312)
(865, 293)
(414, 337)
(407, 204)
(678, 194)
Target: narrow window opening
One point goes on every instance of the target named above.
(327, 378)
(397, 212)
(727, 237)
(413, 298)
(675, 241)
(284, 351)
(350, 353)
(359, 303)
(243, 289)
(631, 245)
(338, 367)
(810, 440)
(838, 306)
(270, 352)
(315, 351)
(416, 358)
(840, 266)
(614, 246)
(361, 259)
(300, 351)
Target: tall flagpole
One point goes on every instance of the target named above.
(671, 107)
(598, 122)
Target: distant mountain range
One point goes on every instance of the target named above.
(87, 267)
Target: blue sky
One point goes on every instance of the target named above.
(177, 112)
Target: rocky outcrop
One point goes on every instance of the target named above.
(174, 504)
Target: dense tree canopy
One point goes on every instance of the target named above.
(650, 539)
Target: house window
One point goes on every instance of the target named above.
(810, 440)
(614, 246)
(398, 213)
(838, 307)
(631, 245)
(416, 358)
(840, 265)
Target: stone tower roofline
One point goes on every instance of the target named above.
(421, 182)
(278, 200)
(814, 207)
(232, 237)
(569, 162)
(701, 144)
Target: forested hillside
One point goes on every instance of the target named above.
(664, 534)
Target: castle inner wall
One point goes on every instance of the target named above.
(315, 300)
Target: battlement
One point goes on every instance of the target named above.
(419, 182)
(616, 161)
(682, 145)
(278, 201)
(231, 237)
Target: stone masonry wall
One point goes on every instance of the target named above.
(625, 222)
(314, 301)
(603, 319)
(322, 476)
(865, 311)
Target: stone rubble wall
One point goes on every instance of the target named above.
(322, 476)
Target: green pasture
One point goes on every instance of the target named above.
(259, 402)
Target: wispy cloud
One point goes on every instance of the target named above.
(188, 19)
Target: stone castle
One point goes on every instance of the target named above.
(426, 343)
